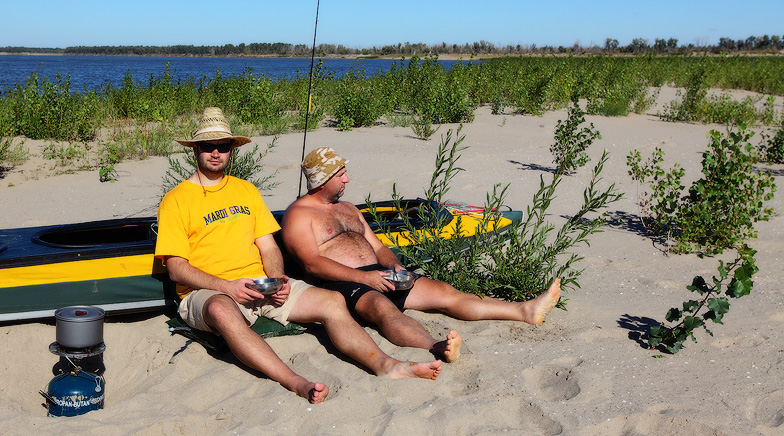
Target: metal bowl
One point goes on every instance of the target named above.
(266, 286)
(403, 280)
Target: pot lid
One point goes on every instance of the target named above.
(79, 313)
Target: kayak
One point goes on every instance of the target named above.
(110, 263)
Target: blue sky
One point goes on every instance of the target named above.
(46, 23)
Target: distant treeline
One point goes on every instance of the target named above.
(764, 43)
(20, 50)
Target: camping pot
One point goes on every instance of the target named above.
(79, 326)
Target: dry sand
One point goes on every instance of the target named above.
(585, 371)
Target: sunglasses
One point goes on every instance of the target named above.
(209, 147)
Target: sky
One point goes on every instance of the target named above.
(365, 24)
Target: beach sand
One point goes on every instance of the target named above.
(585, 371)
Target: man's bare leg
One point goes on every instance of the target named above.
(402, 330)
(221, 313)
(329, 308)
(430, 294)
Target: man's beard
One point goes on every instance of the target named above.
(205, 167)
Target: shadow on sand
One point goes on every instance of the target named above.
(638, 327)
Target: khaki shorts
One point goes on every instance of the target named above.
(191, 307)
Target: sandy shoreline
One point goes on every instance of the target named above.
(583, 372)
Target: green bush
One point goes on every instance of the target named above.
(718, 210)
(517, 264)
(41, 109)
(109, 158)
(10, 154)
(712, 305)
(357, 102)
(772, 147)
(536, 253)
(571, 141)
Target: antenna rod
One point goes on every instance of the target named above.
(307, 109)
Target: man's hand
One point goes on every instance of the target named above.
(376, 280)
(278, 298)
(242, 294)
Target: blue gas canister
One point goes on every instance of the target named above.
(74, 393)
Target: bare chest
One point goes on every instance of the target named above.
(336, 222)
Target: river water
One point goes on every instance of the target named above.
(89, 72)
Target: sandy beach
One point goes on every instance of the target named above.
(585, 371)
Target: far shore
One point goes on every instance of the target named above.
(444, 57)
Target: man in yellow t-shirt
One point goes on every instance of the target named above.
(215, 234)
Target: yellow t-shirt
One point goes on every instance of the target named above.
(216, 233)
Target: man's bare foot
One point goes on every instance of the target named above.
(313, 392)
(429, 370)
(449, 348)
(534, 311)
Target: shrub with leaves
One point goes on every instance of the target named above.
(455, 260)
(772, 147)
(516, 263)
(660, 204)
(534, 256)
(11, 154)
(357, 103)
(691, 106)
(109, 158)
(712, 305)
(48, 109)
(423, 128)
(571, 140)
(720, 209)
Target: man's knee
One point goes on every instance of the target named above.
(330, 301)
(221, 309)
(376, 307)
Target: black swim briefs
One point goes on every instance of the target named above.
(352, 291)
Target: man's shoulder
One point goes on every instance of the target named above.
(345, 207)
(244, 183)
(304, 206)
(299, 208)
(179, 190)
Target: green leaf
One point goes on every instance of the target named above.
(722, 270)
(698, 285)
(692, 322)
(739, 288)
(673, 315)
(690, 306)
(675, 346)
(718, 307)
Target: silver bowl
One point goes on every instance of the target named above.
(266, 286)
(403, 280)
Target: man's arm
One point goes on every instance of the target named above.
(300, 240)
(384, 254)
(272, 259)
(182, 272)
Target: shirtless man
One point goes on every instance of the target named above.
(334, 244)
(213, 260)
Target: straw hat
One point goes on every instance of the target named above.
(321, 164)
(212, 126)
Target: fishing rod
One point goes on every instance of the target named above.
(307, 109)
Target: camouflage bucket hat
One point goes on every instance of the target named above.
(321, 164)
(212, 126)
